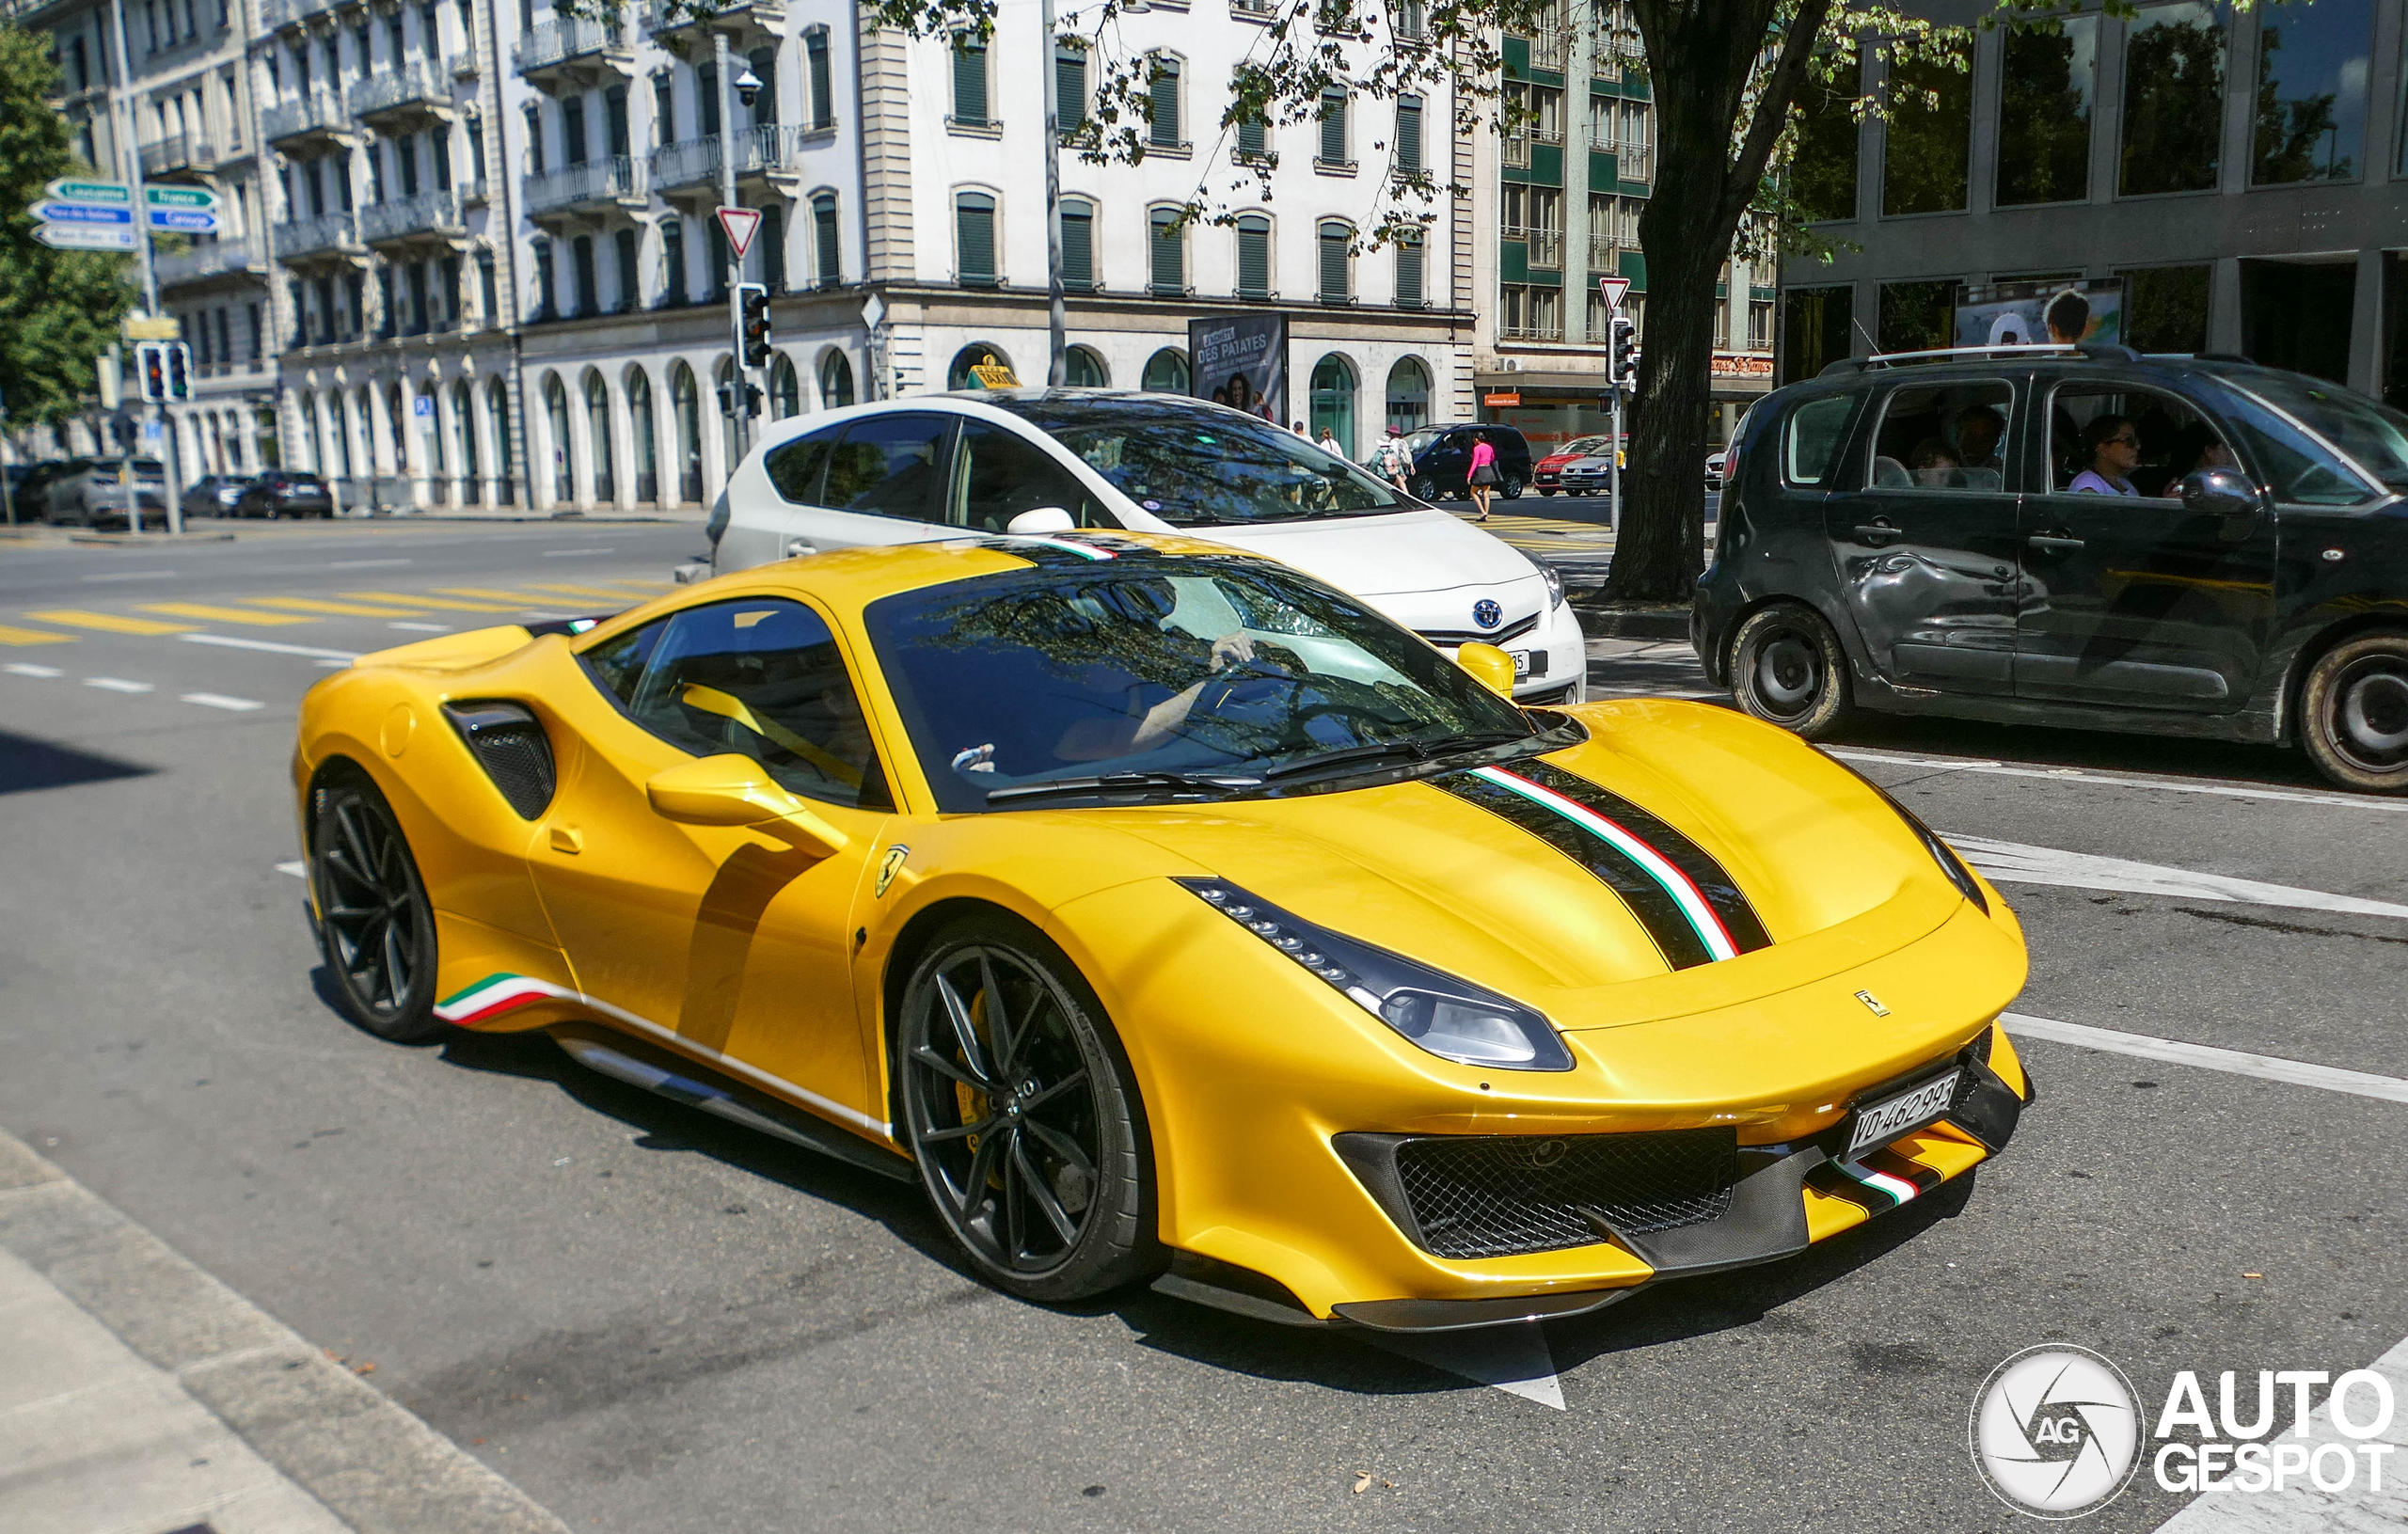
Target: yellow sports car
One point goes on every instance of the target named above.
(1168, 915)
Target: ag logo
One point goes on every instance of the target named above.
(1485, 612)
(2055, 1431)
(889, 867)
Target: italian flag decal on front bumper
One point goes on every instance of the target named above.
(496, 994)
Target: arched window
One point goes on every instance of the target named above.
(361, 420)
(1166, 371)
(688, 404)
(640, 420)
(725, 380)
(835, 381)
(556, 416)
(597, 438)
(498, 420)
(785, 388)
(1078, 245)
(825, 248)
(1167, 250)
(1254, 256)
(1161, 103)
(433, 436)
(1336, 263)
(398, 426)
(463, 441)
(973, 222)
(318, 458)
(1083, 369)
(1409, 395)
(976, 353)
(1333, 400)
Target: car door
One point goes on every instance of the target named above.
(730, 939)
(1925, 539)
(2135, 600)
(884, 482)
(1445, 460)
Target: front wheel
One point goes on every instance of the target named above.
(2353, 713)
(1787, 669)
(1021, 1116)
(374, 922)
(1424, 487)
(1510, 489)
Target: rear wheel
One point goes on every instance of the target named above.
(1424, 487)
(1787, 669)
(1510, 488)
(1021, 1116)
(375, 921)
(2353, 713)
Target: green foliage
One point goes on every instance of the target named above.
(59, 309)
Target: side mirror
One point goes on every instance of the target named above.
(1040, 521)
(1490, 667)
(2218, 492)
(732, 790)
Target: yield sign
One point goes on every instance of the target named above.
(1611, 288)
(741, 224)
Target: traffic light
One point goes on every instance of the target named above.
(179, 370)
(151, 371)
(727, 399)
(753, 305)
(1622, 352)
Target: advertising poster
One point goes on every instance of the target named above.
(2041, 313)
(1243, 361)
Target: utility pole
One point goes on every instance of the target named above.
(130, 156)
(1056, 317)
(740, 395)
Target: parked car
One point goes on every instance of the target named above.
(1715, 464)
(1591, 474)
(1546, 475)
(1908, 536)
(1041, 462)
(214, 495)
(1442, 460)
(284, 492)
(88, 492)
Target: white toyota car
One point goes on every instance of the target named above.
(1037, 461)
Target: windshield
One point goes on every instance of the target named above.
(1203, 675)
(1196, 465)
(1581, 445)
(1419, 442)
(2374, 434)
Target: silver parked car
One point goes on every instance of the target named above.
(89, 493)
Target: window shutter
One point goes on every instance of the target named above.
(1333, 263)
(975, 219)
(969, 81)
(1332, 127)
(823, 96)
(1162, 105)
(1254, 137)
(1078, 245)
(823, 220)
(1254, 258)
(1408, 136)
(774, 248)
(1168, 268)
(1408, 274)
(1070, 88)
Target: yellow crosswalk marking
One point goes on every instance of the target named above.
(341, 610)
(32, 635)
(221, 615)
(583, 590)
(435, 602)
(492, 595)
(114, 623)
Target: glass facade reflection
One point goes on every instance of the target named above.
(2310, 118)
(2173, 67)
(2046, 81)
(1923, 168)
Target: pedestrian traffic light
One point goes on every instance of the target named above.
(754, 326)
(179, 370)
(1622, 352)
(151, 371)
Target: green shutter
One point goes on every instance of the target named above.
(1408, 274)
(1169, 267)
(1254, 258)
(1162, 105)
(969, 81)
(1070, 89)
(1408, 136)
(1333, 263)
(823, 94)
(1078, 245)
(1332, 127)
(823, 221)
(975, 220)
(1254, 135)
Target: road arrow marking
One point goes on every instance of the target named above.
(2012, 863)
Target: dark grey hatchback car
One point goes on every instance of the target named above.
(2185, 546)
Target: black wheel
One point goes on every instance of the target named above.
(2353, 713)
(1546, 493)
(1787, 669)
(1511, 488)
(1021, 1116)
(375, 921)
(1424, 487)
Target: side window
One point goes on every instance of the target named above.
(1811, 439)
(891, 466)
(999, 474)
(1943, 437)
(764, 678)
(2124, 441)
(618, 662)
(795, 467)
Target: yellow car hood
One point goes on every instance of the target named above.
(1507, 892)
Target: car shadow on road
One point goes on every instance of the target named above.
(28, 764)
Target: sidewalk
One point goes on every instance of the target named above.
(140, 1395)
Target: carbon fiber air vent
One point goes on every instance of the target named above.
(509, 743)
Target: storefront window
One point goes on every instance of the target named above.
(2174, 61)
(2044, 113)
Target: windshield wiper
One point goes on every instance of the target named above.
(1415, 751)
(1106, 783)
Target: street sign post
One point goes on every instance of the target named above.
(741, 224)
(198, 198)
(81, 213)
(68, 189)
(182, 220)
(84, 236)
(1611, 290)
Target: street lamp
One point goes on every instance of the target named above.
(747, 87)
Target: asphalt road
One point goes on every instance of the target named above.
(650, 1322)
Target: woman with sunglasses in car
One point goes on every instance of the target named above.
(2113, 446)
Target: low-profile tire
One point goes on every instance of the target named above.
(1423, 487)
(1022, 1113)
(1787, 669)
(2353, 713)
(375, 924)
(1510, 488)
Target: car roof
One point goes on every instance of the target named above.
(1965, 365)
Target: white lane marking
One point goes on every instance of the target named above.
(1982, 768)
(297, 870)
(2301, 1507)
(26, 668)
(271, 646)
(575, 553)
(364, 564)
(1513, 1359)
(2207, 1057)
(115, 683)
(2014, 862)
(219, 700)
(422, 628)
(135, 574)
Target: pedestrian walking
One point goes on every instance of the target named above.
(1389, 460)
(1329, 442)
(1483, 474)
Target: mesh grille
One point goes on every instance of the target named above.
(1492, 1195)
(511, 747)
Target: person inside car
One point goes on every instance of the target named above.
(1934, 464)
(1979, 427)
(2113, 446)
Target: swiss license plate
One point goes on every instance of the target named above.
(1521, 663)
(1879, 1123)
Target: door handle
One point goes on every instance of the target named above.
(1880, 530)
(798, 548)
(2053, 543)
(567, 839)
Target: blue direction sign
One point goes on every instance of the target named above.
(183, 220)
(81, 212)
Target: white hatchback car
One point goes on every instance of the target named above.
(1038, 461)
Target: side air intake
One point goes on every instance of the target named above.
(509, 743)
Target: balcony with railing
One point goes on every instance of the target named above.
(772, 152)
(281, 14)
(595, 186)
(209, 260)
(1534, 329)
(462, 66)
(1546, 47)
(315, 239)
(746, 21)
(179, 156)
(416, 92)
(318, 115)
(1633, 162)
(1409, 20)
(1605, 253)
(430, 217)
(574, 50)
(1253, 11)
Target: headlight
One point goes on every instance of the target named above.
(1554, 584)
(1450, 1018)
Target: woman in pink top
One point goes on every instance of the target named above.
(1483, 474)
